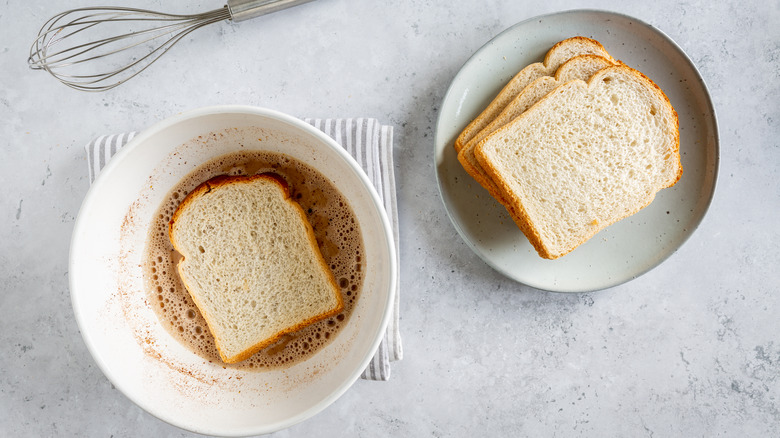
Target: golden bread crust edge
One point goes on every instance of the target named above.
(474, 169)
(575, 40)
(479, 177)
(676, 121)
(494, 107)
(221, 180)
(514, 205)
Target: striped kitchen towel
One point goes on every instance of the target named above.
(371, 144)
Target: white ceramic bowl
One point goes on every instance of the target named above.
(124, 334)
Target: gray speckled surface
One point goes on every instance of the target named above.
(689, 349)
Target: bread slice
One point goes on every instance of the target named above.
(251, 262)
(584, 157)
(580, 67)
(556, 56)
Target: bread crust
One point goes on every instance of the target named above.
(514, 204)
(522, 79)
(467, 157)
(223, 180)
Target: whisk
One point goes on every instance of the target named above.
(72, 45)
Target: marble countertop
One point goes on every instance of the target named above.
(692, 348)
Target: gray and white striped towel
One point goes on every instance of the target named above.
(371, 144)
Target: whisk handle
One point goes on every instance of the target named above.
(241, 10)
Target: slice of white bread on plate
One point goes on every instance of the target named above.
(555, 57)
(580, 67)
(251, 262)
(585, 156)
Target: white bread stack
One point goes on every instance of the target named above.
(576, 149)
(251, 263)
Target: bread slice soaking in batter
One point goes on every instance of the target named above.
(251, 263)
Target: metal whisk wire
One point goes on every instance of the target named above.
(46, 54)
(70, 42)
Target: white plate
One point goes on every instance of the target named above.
(628, 248)
(124, 334)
